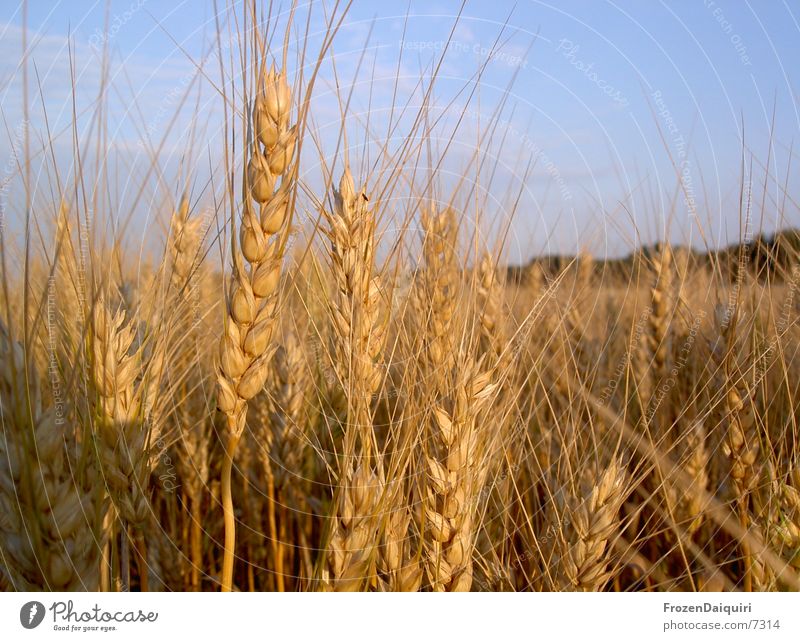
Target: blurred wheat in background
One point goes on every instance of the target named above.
(329, 377)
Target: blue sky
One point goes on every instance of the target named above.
(611, 99)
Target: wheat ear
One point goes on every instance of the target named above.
(662, 299)
(436, 299)
(493, 317)
(246, 345)
(185, 244)
(741, 443)
(358, 317)
(455, 470)
(592, 525)
(788, 526)
(126, 379)
(47, 539)
(695, 463)
(286, 423)
(359, 324)
(122, 435)
(398, 565)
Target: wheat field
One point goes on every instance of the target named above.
(329, 378)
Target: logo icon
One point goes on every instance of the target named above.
(31, 614)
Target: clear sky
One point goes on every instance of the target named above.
(611, 99)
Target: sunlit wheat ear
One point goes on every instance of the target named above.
(127, 381)
(46, 533)
(69, 279)
(122, 436)
(246, 345)
(591, 526)
(353, 530)
(359, 333)
(741, 445)
(436, 291)
(182, 335)
(357, 311)
(247, 339)
(454, 476)
(184, 250)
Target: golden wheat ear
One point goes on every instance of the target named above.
(592, 525)
(247, 342)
